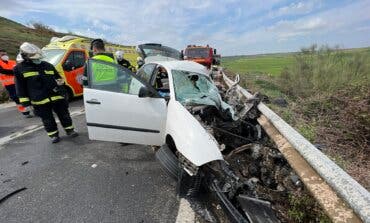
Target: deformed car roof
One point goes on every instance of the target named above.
(184, 65)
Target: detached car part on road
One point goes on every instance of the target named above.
(177, 106)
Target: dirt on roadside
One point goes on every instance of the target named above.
(277, 183)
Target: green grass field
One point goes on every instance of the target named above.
(268, 64)
(271, 64)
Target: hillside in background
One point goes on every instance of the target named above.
(13, 34)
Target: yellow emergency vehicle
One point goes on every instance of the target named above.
(69, 53)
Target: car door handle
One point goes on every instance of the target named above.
(93, 101)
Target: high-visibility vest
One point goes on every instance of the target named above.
(104, 58)
(104, 74)
(7, 79)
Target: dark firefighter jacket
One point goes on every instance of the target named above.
(36, 83)
(126, 64)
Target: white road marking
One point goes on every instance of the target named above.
(30, 129)
(185, 213)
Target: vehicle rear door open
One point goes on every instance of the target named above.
(114, 110)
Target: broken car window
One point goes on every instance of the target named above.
(195, 88)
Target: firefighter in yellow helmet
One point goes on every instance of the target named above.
(38, 84)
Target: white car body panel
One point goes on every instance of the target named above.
(158, 58)
(191, 139)
(119, 110)
(184, 65)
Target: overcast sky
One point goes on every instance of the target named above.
(233, 27)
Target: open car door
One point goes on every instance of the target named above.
(114, 110)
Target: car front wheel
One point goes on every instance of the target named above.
(168, 161)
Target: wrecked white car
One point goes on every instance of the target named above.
(149, 108)
(176, 106)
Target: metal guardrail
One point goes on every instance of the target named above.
(356, 196)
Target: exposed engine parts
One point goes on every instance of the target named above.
(252, 181)
(254, 173)
(229, 133)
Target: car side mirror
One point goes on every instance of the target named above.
(144, 92)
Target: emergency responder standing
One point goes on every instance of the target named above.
(98, 48)
(102, 73)
(38, 83)
(123, 62)
(7, 80)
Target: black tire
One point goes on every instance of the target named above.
(168, 161)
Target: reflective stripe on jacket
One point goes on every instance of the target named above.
(36, 83)
(127, 64)
(6, 72)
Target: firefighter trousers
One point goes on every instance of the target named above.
(45, 112)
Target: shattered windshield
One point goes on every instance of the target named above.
(197, 53)
(53, 56)
(194, 88)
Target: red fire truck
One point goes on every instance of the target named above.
(204, 55)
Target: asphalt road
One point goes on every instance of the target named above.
(12, 121)
(78, 180)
